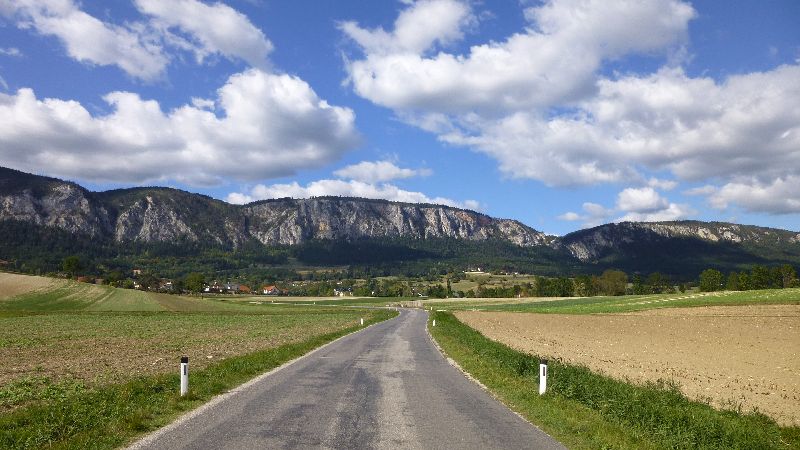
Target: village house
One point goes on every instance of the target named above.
(270, 290)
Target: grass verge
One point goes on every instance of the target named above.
(586, 410)
(111, 416)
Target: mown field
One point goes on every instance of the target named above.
(621, 304)
(83, 364)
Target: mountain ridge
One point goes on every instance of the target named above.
(161, 215)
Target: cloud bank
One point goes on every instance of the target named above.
(540, 104)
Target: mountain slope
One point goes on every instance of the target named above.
(46, 216)
(155, 215)
(682, 246)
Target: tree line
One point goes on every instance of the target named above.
(759, 277)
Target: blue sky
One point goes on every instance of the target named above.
(561, 114)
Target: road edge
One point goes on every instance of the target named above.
(469, 376)
(151, 437)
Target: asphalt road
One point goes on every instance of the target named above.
(384, 387)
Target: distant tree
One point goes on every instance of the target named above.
(148, 281)
(733, 282)
(612, 282)
(710, 280)
(759, 277)
(71, 265)
(657, 283)
(788, 276)
(639, 287)
(194, 282)
(178, 286)
(583, 286)
(744, 281)
(114, 278)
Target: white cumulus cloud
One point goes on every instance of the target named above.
(640, 200)
(210, 28)
(779, 196)
(540, 104)
(267, 125)
(143, 49)
(88, 39)
(343, 188)
(552, 60)
(593, 214)
(378, 171)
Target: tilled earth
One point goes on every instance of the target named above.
(730, 356)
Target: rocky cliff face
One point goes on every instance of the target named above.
(157, 215)
(62, 205)
(289, 221)
(166, 215)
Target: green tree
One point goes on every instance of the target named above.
(194, 282)
(733, 282)
(71, 265)
(612, 282)
(788, 276)
(710, 280)
(638, 285)
(759, 277)
(148, 281)
(744, 281)
(657, 282)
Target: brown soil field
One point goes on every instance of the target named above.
(729, 356)
(12, 284)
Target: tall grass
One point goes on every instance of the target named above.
(588, 410)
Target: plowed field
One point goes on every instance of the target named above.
(738, 356)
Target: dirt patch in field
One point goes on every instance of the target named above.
(746, 356)
(12, 284)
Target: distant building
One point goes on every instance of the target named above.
(270, 290)
(213, 288)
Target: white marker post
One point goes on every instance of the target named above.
(434, 322)
(184, 375)
(362, 321)
(542, 376)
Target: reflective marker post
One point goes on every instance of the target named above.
(542, 376)
(434, 322)
(362, 321)
(184, 375)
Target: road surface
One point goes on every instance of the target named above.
(385, 387)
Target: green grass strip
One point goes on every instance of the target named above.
(111, 416)
(586, 410)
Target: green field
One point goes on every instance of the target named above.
(621, 304)
(81, 363)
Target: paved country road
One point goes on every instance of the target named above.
(384, 387)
